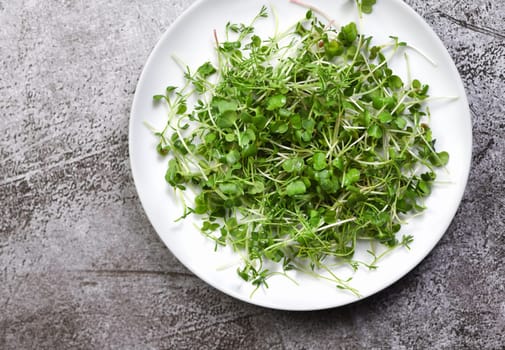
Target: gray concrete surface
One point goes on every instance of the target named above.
(80, 265)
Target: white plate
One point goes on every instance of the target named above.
(191, 39)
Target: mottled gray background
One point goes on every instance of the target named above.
(80, 265)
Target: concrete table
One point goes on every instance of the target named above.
(81, 266)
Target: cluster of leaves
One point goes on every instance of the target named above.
(301, 146)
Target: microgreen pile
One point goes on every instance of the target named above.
(300, 145)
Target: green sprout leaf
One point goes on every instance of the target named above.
(296, 187)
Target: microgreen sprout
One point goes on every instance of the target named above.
(301, 148)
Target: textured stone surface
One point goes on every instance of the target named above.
(80, 265)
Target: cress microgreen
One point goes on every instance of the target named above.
(305, 143)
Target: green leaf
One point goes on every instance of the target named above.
(444, 158)
(276, 102)
(385, 117)
(231, 189)
(395, 82)
(232, 157)
(182, 108)
(244, 273)
(259, 121)
(246, 137)
(440, 159)
(348, 34)
(279, 127)
(224, 105)
(257, 187)
(250, 150)
(173, 174)
(230, 46)
(295, 188)
(333, 48)
(428, 176)
(338, 163)
(327, 181)
(366, 9)
(206, 70)
(296, 121)
(351, 176)
(158, 98)
(255, 41)
(293, 165)
(308, 125)
(374, 131)
(226, 119)
(364, 118)
(263, 12)
(423, 188)
(163, 149)
(330, 216)
(368, 2)
(200, 204)
(400, 122)
(230, 137)
(319, 161)
(170, 89)
(366, 6)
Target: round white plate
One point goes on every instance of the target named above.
(190, 38)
